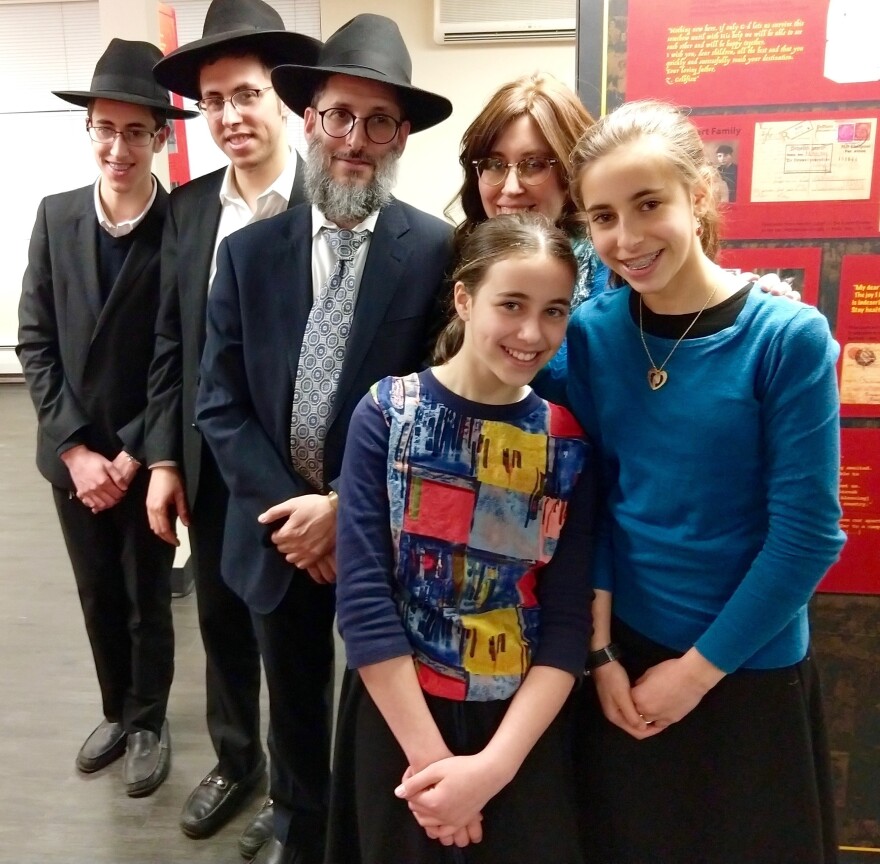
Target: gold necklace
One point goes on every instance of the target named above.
(657, 375)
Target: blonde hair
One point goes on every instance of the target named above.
(683, 146)
(517, 235)
(557, 112)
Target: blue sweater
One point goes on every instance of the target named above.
(722, 487)
(463, 538)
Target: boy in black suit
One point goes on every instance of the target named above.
(88, 306)
(227, 71)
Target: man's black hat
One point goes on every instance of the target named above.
(368, 46)
(125, 74)
(236, 25)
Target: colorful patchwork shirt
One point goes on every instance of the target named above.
(464, 537)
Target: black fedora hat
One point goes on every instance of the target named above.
(249, 25)
(368, 46)
(125, 74)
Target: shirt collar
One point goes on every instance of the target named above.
(319, 221)
(126, 227)
(281, 186)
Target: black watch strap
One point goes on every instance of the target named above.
(608, 654)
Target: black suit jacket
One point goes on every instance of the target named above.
(187, 248)
(86, 361)
(257, 315)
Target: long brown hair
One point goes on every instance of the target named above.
(558, 114)
(684, 147)
(517, 235)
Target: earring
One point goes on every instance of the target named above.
(699, 227)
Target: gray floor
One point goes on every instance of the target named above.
(50, 813)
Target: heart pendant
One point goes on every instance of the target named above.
(656, 378)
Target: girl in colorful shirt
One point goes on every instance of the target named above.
(464, 532)
(714, 413)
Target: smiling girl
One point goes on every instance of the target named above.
(463, 598)
(714, 412)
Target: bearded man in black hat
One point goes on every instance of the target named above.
(308, 309)
(227, 71)
(88, 305)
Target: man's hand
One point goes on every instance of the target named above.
(166, 503)
(323, 571)
(99, 483)
(309, 533)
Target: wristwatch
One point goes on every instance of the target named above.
(608, 654)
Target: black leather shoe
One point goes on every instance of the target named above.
(274, 853)
(147, 761)
(105, 745)
(216, 800)
(258, 831)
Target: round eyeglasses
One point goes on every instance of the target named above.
(132, 137)
(338, 123)
(241, 100)
(532, 171)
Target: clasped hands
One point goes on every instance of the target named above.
(307, 537)
(665, 694)
(447, 796)
(100, 483)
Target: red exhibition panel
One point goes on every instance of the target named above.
(799, 265)
(797, 175)
(858, 332)
(858, 571)
(704, 53)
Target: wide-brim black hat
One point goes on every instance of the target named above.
(368, 46)
(239, 25)
(125, 74)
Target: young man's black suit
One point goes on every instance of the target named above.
(233, 660)
(85, 359)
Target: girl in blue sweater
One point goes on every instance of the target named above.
(463, 592)
(714, 412)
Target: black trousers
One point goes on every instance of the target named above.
(296, 644)
(232, 657)
(123, 573)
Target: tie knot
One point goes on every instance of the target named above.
(343, 242)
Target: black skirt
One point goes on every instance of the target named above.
(531, 820)
(743, 779)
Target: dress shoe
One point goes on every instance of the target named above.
(147, 761)
(258, 831)
(105, 745)
(216, 800)
(274, 853)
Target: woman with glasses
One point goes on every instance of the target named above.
(514, 156)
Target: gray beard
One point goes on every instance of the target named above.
(347, 201)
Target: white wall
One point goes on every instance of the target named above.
(466, 74)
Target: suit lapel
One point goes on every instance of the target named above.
(296, 294)
(206, 217)
(386, 258)
(84, 260)
(298, 192)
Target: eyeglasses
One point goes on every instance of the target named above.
(532, 171)
(133, 137)
(241, 100)
(338, 122)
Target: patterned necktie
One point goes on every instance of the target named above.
(321, 356)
